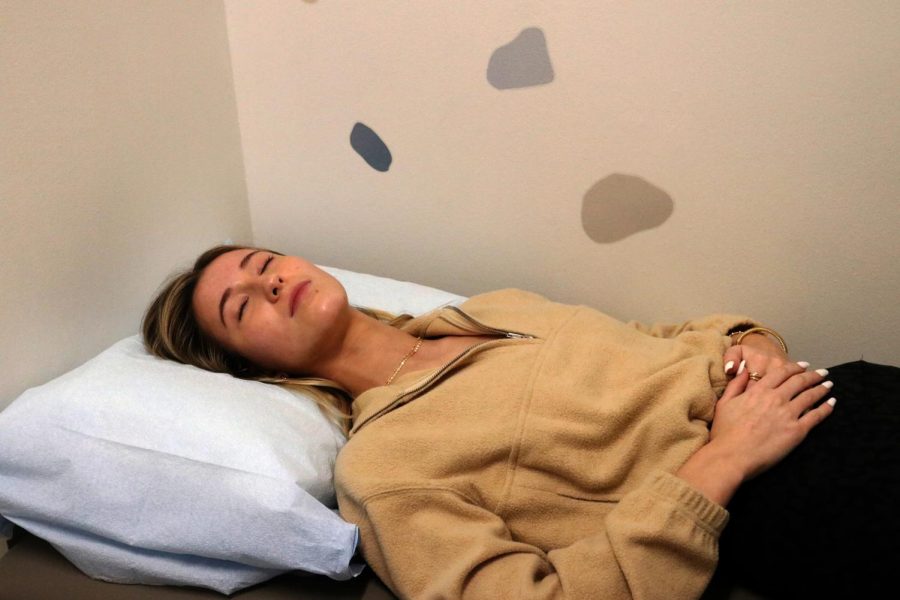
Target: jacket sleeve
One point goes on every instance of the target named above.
(722, 323)
(661, 541)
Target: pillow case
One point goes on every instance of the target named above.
(143, 470)
(398, 297)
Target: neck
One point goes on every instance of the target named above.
(366, 355)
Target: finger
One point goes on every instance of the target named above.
(795, 384)
(809, 397)
(731, 359)
(753, 376)
(802, 364)
(817, 415)
(736, 386)
(777, 374)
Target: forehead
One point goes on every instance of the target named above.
(215, 278)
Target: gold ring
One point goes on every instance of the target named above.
(755, 376)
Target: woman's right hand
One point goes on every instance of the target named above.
(759, 354)
(755, 427)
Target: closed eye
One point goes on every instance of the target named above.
(266, 264)
(241, 310)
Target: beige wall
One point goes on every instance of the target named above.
(772, 129)
(120, 159)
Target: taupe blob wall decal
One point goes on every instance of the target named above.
(368, 145)
(523, 62)
(621, 205)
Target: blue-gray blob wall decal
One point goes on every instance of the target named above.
(621, 205)
(523, 62)
(368, 145)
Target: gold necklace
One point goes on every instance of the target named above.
(405, 358)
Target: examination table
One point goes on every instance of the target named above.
(33, 570)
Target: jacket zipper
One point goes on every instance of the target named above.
(482, 326)
(408, 393)
(423, 384)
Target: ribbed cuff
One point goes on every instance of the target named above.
(707, 513)
(729, 323)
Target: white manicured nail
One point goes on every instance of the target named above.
(728, 365)
(803, 363)
(831, 401)
(822, 372)
(741, 367)
(828, 384)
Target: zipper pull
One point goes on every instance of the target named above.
(517, 336)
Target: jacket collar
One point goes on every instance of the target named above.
(437, 323)
(446, 320)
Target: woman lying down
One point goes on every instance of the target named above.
(519, 448)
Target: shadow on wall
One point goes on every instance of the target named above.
(369, 145)
(614, 208)
(524, 62)
(621, 205)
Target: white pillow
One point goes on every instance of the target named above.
(398, 297)
(143, 470)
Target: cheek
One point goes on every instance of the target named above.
(332, 300)
(327, 308)
(263, 342)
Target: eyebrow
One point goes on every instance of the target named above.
(227, 292)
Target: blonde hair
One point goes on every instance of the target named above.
(171, 330)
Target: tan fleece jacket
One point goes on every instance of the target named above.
(540, 466)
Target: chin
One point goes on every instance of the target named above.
(331, 301)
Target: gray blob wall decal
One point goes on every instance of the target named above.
(368, 145)
(523, 62)
(621, 205)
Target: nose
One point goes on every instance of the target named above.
(274, 287)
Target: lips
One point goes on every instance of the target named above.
(297, 294)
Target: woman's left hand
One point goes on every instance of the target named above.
(753, 429)
(761, 354)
